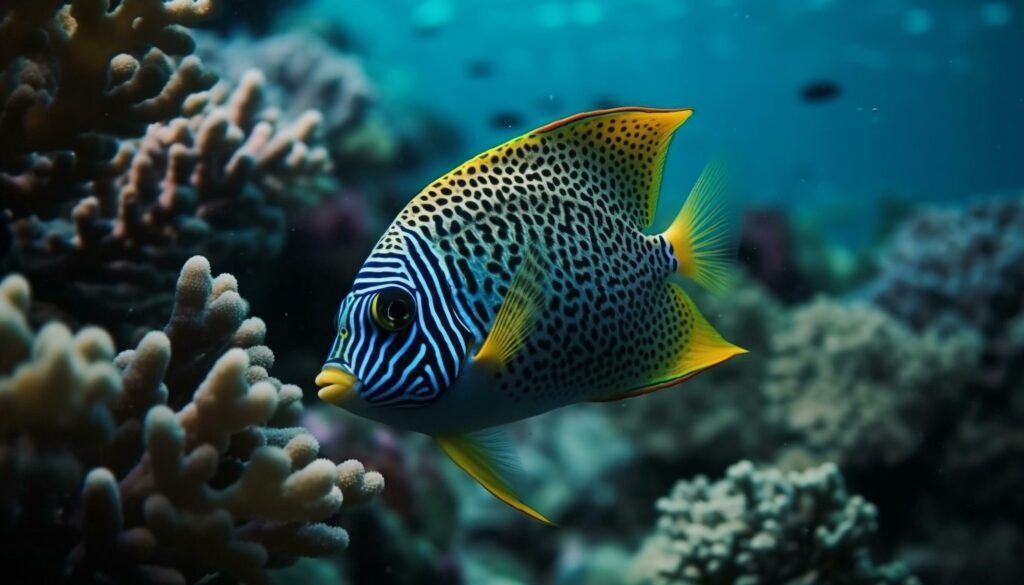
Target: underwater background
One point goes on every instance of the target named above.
(188, 189)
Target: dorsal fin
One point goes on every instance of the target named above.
(625, 146)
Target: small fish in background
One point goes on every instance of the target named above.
(820, 92)
(506, 119)
(525, 280)
(479, 69)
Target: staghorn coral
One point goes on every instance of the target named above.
(80, 74)
(953, 268)
(759, 526)
(166, 463)
(220, 181)
(851, 384)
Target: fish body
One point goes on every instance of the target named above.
(523, 281)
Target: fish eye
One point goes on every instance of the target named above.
(393, 309)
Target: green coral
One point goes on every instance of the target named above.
(175, 460)
(763, 526)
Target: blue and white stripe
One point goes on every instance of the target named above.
(413, 366)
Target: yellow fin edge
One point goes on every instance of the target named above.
(705, 349)
(479, 466)
(674, 118)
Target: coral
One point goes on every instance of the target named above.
(764, 526)
(78, 75)
(410, 537)
(851, 384)
(165, 463)
(956, 267)
(220, 181)
(303, 72)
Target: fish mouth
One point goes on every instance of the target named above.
(336, 385)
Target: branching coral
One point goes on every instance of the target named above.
(78, 74)
(303, 72)
(762, 526)
(853, 385)
(165, 463)
(219, 181)
(956, 268)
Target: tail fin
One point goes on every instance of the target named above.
(703, 236)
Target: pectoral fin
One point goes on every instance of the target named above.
(489, 457)
(516, 318)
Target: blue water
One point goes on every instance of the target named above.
(931, 103)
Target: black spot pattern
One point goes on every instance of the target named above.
(577, 196)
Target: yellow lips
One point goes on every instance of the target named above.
(335, 385)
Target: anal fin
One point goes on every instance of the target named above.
(698, 347)
(489, 457)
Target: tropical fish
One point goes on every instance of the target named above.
(523, 281)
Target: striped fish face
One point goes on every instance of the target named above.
(398, 331)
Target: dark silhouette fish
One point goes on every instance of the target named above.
(507, 120)
(479, 69)
(819, 92)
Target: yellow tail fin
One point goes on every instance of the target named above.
(703, 234)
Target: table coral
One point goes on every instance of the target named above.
(175, 460)
(761, 526)
(851, 384)
(80, 74)
(220, 181)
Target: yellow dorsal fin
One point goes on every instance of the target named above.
(625, 147)
(517, 316)
(698, 347)
(489, 457)
(703, 235)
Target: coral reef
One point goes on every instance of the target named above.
(410, 537)
(303, 72)
(763, 526)
(175, 460)
(80, 74)
(955, 268)
(220, 181)
(850, 384)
